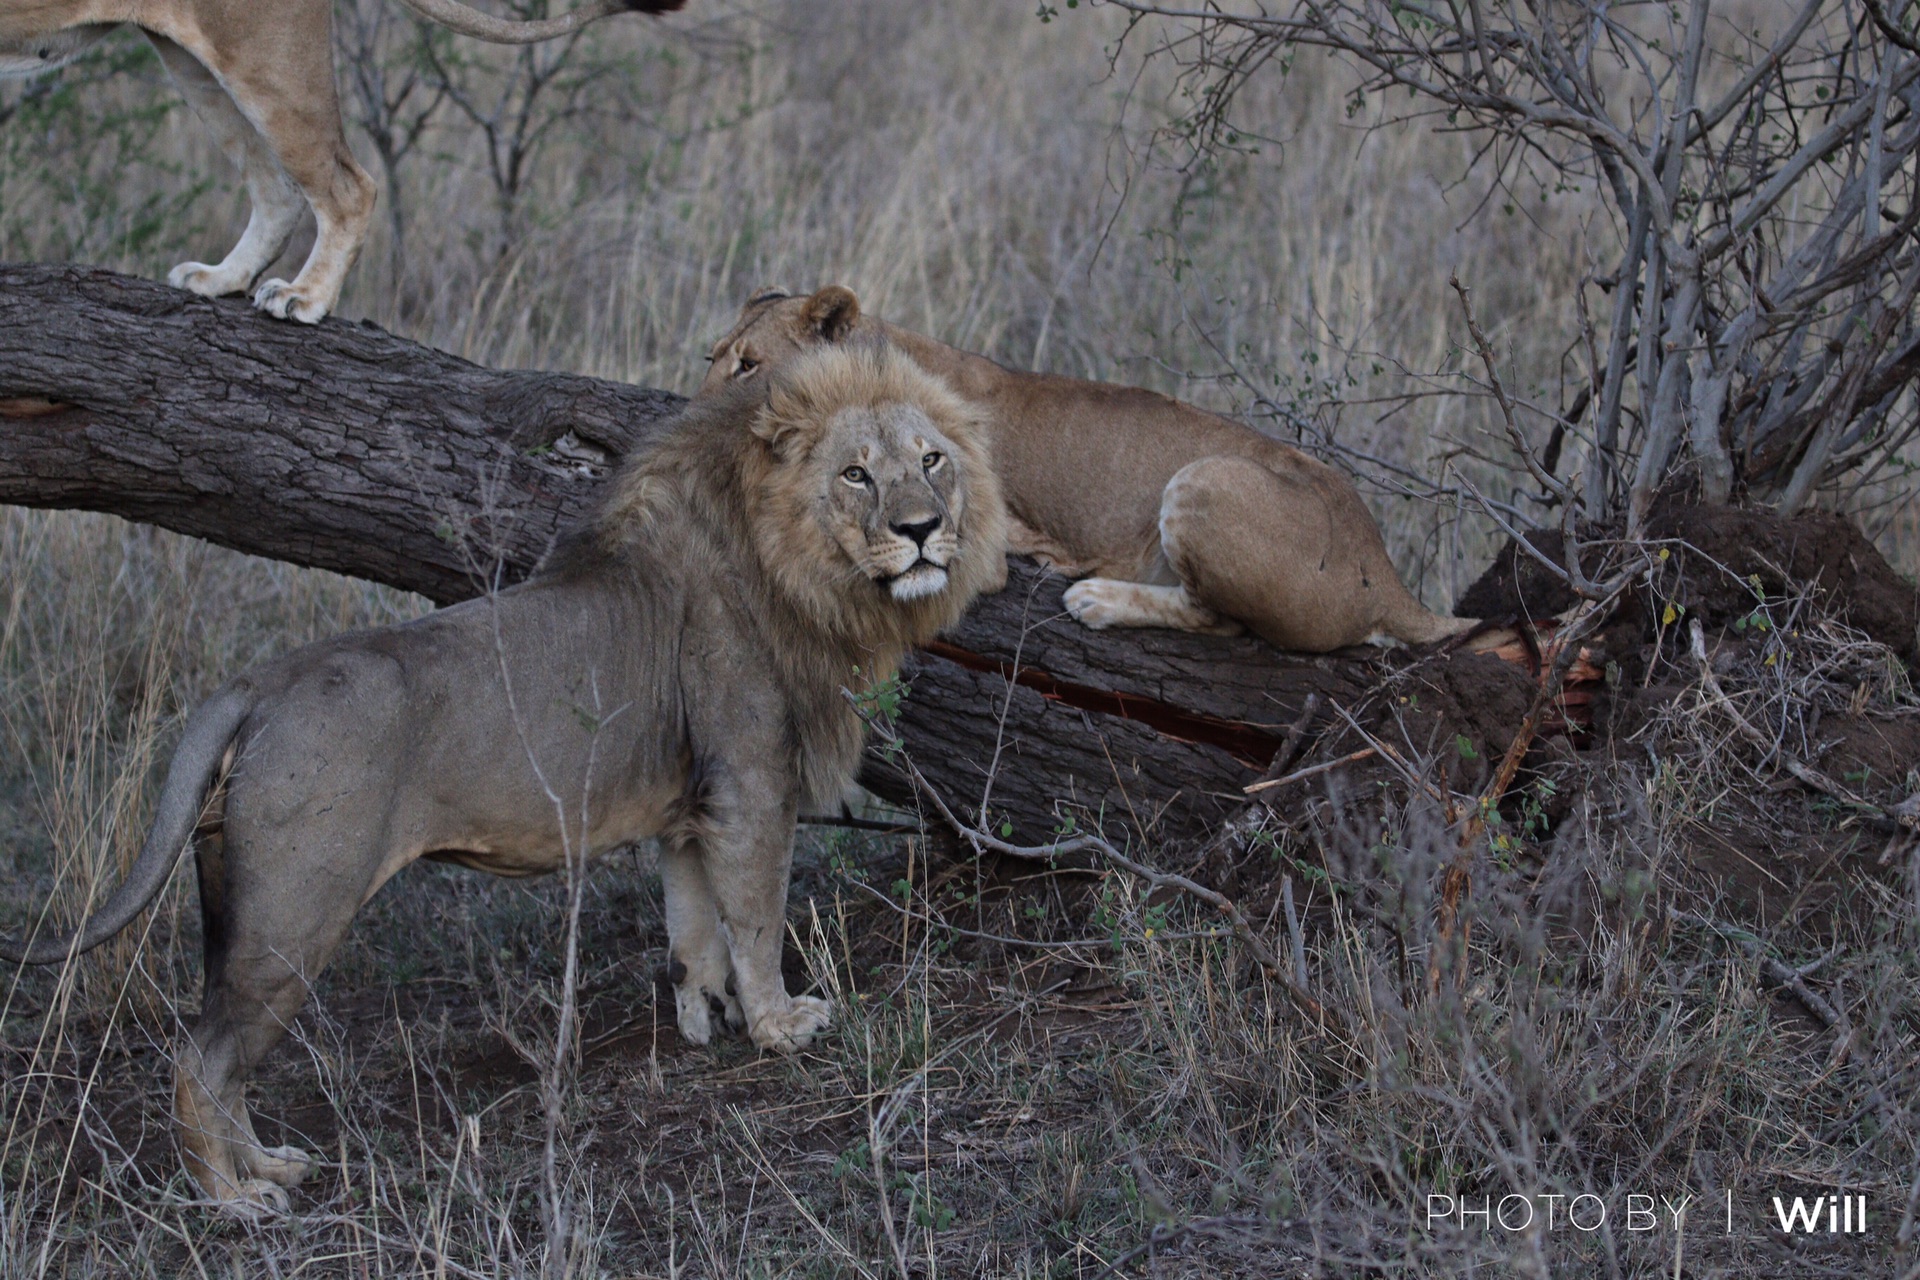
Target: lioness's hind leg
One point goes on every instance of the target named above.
(276, 201)
(1297, 558)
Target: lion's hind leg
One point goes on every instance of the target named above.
(276, 202)
(278, 892)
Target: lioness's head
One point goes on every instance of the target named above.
(875, 468)
(774, 327)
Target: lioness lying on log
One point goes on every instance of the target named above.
(1172, 516)
(675, 670)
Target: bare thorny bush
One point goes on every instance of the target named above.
(1755, 166)
(1300, 1084)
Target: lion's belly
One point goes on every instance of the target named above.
(517, 832)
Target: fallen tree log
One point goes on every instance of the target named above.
(344, 447)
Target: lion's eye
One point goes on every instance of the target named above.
(933, 459)
(854, 475)
(746, 366)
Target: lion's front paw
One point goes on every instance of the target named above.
(287, 302)
(208, 282)
(254, 1200)
(697, 1007)
(795, 1026)
(282, 1166)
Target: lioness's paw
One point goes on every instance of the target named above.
(255, 1200)
(208, 282)
(1100, 603)
(795, 1026)
(283, 300)
(282, 1166)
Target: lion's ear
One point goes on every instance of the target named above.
(832, 312)
(781, 422)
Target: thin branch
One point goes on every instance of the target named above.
(1086, 842)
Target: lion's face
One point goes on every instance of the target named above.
(894, 489)
(892, 498)
(773, 328)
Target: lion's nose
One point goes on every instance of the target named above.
(918, 530)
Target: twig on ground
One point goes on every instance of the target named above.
(1166, 1233)
(1299, 775)
(1781, 975)
(1292, 744)
(1294, 934)
(1061, 944)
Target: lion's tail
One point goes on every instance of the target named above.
(209, 730)
(457, 17)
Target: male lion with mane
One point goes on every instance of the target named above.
(1171, 516)
(674, 671)
(260, 73)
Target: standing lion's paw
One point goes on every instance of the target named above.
(208, 282)
(695, 1019)
(255, 1199)
(795, 1026)
(287, 302)
(696, 1008)
(282, 1166)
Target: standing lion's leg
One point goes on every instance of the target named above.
(697, 958)
(277, 202)
(748, 856)
(276, 907)
(282, 80)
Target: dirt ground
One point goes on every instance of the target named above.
(1679, 969)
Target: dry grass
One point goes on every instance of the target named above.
(1115, 1075)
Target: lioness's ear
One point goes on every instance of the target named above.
(832, 312)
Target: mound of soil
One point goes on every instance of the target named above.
(1724, 558)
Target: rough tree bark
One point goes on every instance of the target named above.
(347, 448)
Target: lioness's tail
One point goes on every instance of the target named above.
(1414, 624)
(457, 17)
(209, 729)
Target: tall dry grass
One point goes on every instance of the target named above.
(983, 176)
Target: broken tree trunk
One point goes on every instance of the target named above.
(347, 448)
